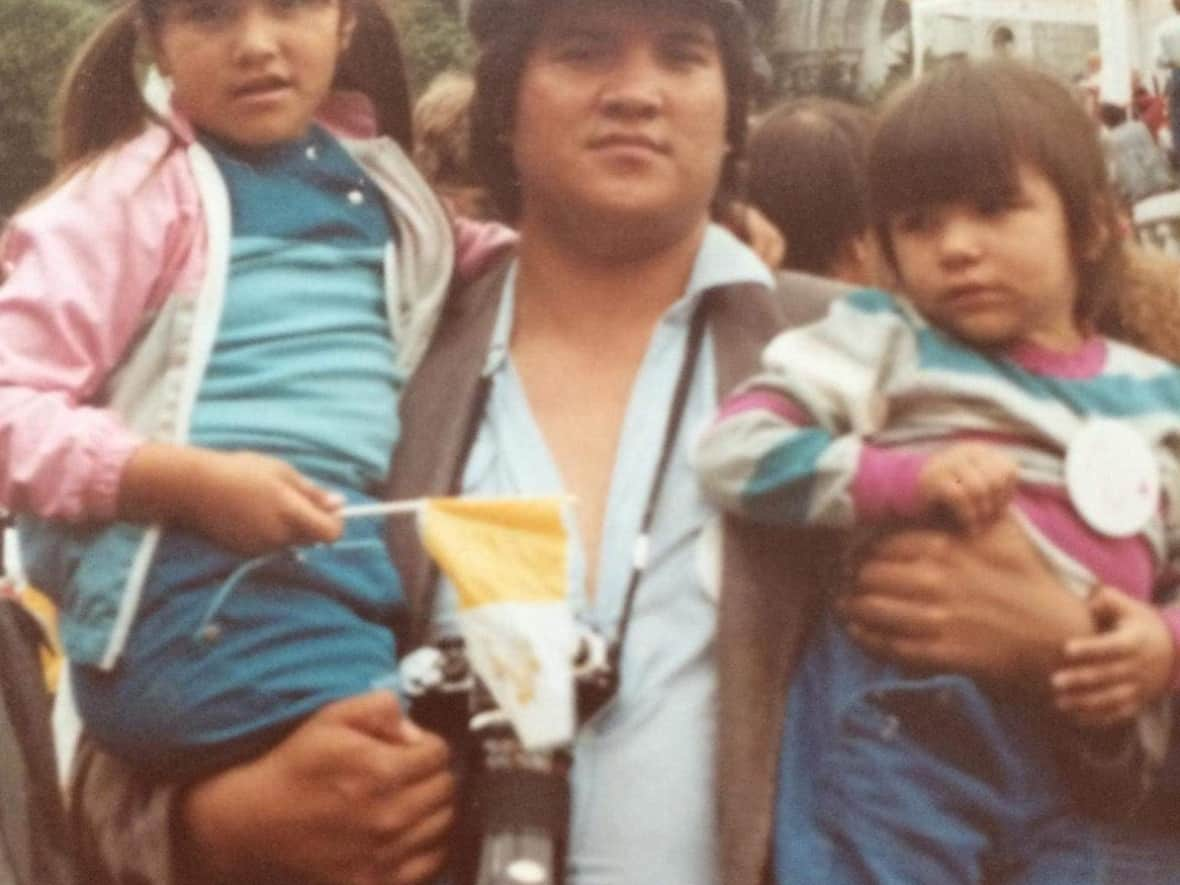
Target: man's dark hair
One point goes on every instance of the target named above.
(506, 31)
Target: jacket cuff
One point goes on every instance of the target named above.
(110, 455)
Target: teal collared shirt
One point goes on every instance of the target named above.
(643, 784)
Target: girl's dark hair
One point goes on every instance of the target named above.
(959, 135)
(506, 30)
(807, 173)
(100, 103)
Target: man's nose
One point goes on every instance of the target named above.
(635, 87)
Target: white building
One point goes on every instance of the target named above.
(863, 40)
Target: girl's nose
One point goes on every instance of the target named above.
(257, 34)
(960, 239)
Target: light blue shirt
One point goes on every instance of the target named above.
(643, 782)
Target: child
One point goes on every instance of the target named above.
(206, 323)
(991, 202)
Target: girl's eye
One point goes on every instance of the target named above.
(688, 53)
(992, 207)
(579, 52)
(293, 5)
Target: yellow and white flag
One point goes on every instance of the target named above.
(508, 560)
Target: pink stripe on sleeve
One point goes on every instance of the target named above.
(886, 483)
(767, 401)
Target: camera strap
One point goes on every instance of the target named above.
(642, 548)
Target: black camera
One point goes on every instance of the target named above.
(515, 807)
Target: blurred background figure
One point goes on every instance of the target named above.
(807, 175)
(1147, 106)
(1138, 166)
(1167, 48)
(442, 144)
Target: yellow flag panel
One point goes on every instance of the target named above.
(498, 549)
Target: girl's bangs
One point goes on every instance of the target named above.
(947, 143)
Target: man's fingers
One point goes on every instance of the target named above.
(889, 616)
(1073, 680)
(425, 765)
(421, 868)
(377, 714)
(426, 836)
(1100, 701)
(1108, 706)
(907, 546)
(917, 652)
(1103, 647)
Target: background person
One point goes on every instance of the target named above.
(806, 173)
(442, 143)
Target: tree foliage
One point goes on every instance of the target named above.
(434, 39)
(37, 39)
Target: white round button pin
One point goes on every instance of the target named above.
(1112, 477)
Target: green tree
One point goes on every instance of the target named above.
(434, 39)
(37, 39)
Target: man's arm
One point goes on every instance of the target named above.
(354, 794)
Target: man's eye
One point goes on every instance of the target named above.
(686, 57)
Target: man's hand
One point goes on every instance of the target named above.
(986, 605)
(1109, 678)
(356, 794)
(242, 501)
(974, 482)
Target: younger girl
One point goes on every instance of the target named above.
(975, 393)
(205, 326)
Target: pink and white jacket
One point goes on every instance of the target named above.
(111, 297)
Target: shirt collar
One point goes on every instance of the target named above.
(722, 260)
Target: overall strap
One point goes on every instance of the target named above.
(770, 594)
(440, 409)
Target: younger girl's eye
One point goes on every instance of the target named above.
(913, 220)
(580, 51)
(205, 12)
(294, 5)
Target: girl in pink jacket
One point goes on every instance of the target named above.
(205, 326)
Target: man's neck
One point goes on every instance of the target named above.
(563, 285)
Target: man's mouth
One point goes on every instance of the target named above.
(629, 140)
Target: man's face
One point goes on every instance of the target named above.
(620, 119)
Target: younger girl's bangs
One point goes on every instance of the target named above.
(953, 139)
